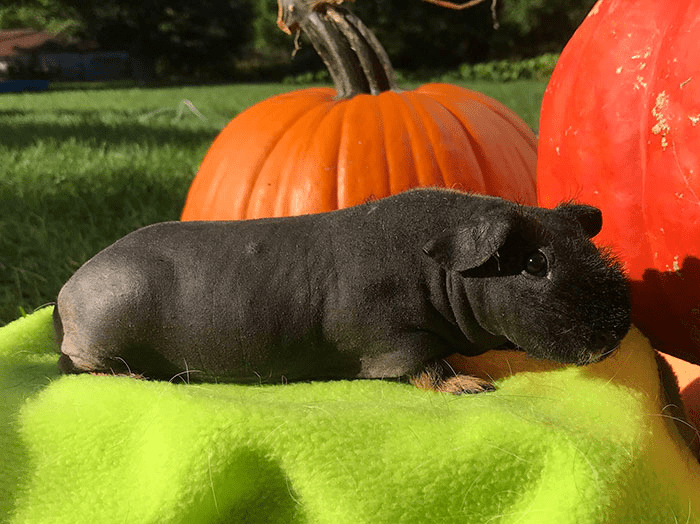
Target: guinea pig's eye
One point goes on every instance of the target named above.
(536, 264)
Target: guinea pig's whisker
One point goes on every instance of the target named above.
(676, 419)
(608, 352)
(185, 373)
(124, 362)
(447, 364)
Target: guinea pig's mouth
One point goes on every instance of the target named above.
(593, 358)
(608, 341)
(575, 356)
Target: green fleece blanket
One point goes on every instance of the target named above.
(574, 445)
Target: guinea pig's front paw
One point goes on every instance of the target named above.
(433, 378)
(460, 384)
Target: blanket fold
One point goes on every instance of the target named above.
(572, 445)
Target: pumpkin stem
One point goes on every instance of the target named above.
(355, 59)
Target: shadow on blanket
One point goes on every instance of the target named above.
(560, 445)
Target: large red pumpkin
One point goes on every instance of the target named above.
(620, 129)
(321, 149)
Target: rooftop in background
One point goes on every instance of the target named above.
(14, 42)
(33, 55)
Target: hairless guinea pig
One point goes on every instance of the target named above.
(384, 289)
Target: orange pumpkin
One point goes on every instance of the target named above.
(321, 149)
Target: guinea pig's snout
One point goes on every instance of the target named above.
(604, 344)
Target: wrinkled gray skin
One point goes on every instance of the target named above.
(376, 290)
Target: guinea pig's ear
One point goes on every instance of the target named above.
(590, 218)
(470, 245)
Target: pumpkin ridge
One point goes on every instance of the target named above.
(382, 185)
(478, 153)
(298, 179)
(212, 182)
(412, 178)
(504, 112)
(261, 166)
(421, 146)
(342, 163)
(337, 112)
(257, 195)
(475, 150)
(382, 107)
(438, 123)
(494, 185)
(360, 146)
(398, 165)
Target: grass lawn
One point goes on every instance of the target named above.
(81, 168)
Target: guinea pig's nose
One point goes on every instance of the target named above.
(605, 342)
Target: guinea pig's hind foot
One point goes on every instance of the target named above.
(434, 378)
(127, 375)
(461, 384)
(67, 366)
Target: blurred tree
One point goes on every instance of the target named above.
(200, 39)
(420, 35)
(533, 27)
(48, 15)
(170, 37)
